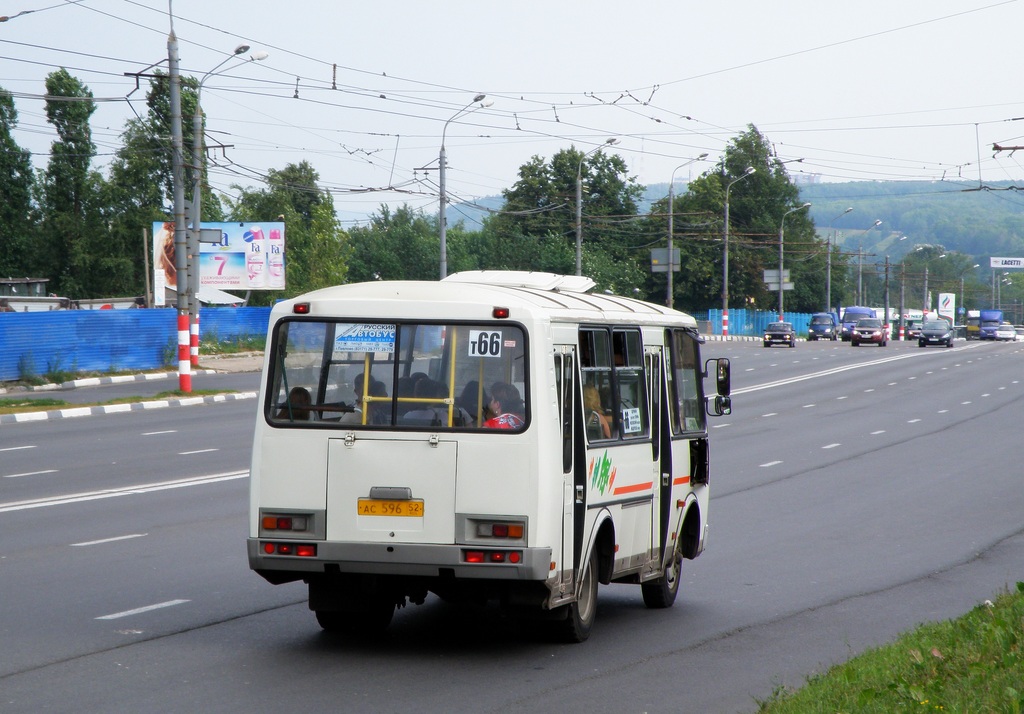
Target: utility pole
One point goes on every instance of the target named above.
(180, 232)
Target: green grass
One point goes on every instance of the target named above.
(972, 664)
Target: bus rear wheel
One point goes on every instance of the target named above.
(371, 619)
(661, 593)
(580, 614)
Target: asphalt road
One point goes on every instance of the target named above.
(856, 493)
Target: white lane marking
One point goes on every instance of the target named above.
(964, 403)
(769, 414)
(158, 433)
(770, 463)
(839, 398)
(116, 492)
(830, 446)
(866, 391)
(943, 411)
(719, 426)
(198, 451)
(140, 610)
(18, 448)
(876, 433)
(109, 540)
(31, 473)
(913, 421)
(807, 406)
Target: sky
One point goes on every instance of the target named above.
(366, 91)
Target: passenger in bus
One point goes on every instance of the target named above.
(297, 408)
(474, 401)
(376, 388)
(434, 413)
(597, 422)
(506, 406)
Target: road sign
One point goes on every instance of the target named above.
(659, 260)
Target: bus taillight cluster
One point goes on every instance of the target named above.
(302, 550)
(492, 556)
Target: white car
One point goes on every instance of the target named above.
(1006, 332)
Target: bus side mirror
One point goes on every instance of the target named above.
(719, 405)
(723, 379)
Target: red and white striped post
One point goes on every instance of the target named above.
(184, 364)
(194, 338)
(725, 323)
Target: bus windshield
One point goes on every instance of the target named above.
(414, 375)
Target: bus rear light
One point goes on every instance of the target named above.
(302, 550)
(301, 308)
(492, 556)
(500, 313)
(488, 529)
(285, 523)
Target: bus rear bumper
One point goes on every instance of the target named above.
(403, 559)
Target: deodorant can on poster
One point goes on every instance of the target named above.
(275, 258)
(254, 260)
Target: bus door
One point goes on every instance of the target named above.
(573, 479)
(661, 454)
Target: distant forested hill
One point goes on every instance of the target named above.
(956, 215)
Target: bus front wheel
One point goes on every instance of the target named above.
(661, 593)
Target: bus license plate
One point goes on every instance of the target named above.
(379, 507)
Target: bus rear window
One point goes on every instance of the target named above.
(397, 375)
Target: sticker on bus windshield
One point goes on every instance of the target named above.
(486, 343)
(365, 338)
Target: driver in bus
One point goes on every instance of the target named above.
(507, 407)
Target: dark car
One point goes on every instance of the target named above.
(822, 326)
(935, 332)
(914, 329)
(779, 333)
(870, 330)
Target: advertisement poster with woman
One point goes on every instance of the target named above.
(249, 256)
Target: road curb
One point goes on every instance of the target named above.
(74, 412)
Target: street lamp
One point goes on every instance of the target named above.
(480, 101)
(579, 202)
(197, 183)
(860, 262)
(725, 258)
(782, 226)
(828, 264)
(669, 296)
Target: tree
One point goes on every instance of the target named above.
(540, 211)
(16, 177)
(68, 194)
(757, 205)
(317, 248)
(398, 245)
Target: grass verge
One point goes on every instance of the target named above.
(46, 404)
(971, 664)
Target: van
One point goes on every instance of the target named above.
(850, 317)
(823, 325)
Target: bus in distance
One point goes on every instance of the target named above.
(496, 436)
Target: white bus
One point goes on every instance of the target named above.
(495, 436)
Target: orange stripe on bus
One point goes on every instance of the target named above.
(681, 480)
(634, 488)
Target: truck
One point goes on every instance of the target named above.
(989, 320)
(850, 317)
(973, 324)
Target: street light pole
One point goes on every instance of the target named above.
(442, 165)
(669, 291)
(579, 202)
(860, 262)
(180, 233)
(828, 263)
(725, 257)
(194, 245)
(782, 226)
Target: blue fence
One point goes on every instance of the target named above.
(753, 322)
(34, 343)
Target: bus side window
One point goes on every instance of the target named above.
(596, 366)
(687, 414)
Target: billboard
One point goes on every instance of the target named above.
(1017, 263)
(248, 256)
